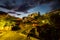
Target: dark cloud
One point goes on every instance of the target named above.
(28, 4)
(55, 5)
(24, 7)
(7, 4)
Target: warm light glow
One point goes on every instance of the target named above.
(43, 21)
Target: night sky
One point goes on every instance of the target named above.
(24, 7)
